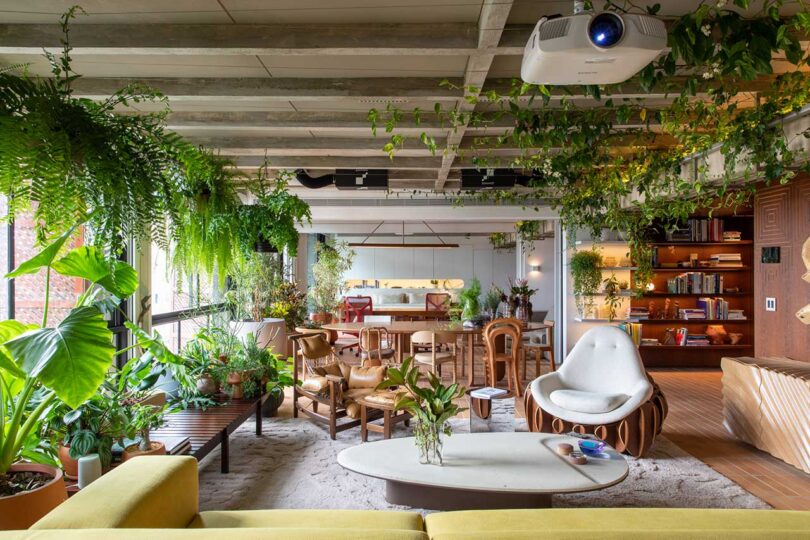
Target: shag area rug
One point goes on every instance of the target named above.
(294, 465)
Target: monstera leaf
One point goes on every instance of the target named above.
(43, 258)
(70, 359)
(90, 263)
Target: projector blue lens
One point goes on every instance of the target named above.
(606, 30)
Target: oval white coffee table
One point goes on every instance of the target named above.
(482, 470)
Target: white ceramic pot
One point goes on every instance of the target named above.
(270, 333)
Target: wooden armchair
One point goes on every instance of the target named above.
(333, 385)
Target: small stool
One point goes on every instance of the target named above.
(381, 401)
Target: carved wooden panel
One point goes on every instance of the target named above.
(772, 210)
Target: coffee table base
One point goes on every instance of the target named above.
(438, 498)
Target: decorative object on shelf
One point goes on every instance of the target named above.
(653, 310)
(608, 261)
(669, 337)
(735, 338)
(667, 313)
(613, 298)
(586, 273)
(717, 334)
(89, 470)
(432, 406)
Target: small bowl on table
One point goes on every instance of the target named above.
(591, 447)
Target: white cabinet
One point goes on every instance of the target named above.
(403, 263)
(385, 263)
(453, 263)
(423, 263)
(363, 264)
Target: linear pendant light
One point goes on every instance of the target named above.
(403, 245)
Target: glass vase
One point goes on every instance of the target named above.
(429, 442)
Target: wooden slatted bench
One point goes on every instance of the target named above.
(212, 427)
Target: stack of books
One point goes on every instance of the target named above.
(714, 308)
(697, 340)
(736, 315)
(732, 236)
(638, 312)
(649, 342)
(726, 260)
(695, 283)
(689, 314)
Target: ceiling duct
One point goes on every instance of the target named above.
(477, 179)
(314, 182)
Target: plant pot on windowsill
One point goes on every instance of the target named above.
(23, 509)
(133, 450)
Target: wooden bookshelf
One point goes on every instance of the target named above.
(670, 251)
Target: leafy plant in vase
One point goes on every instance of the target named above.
(432, 406)
(613, 299)
(470, 302)
(586, 273)
(520, 297)
(492, 301)
(34, 361)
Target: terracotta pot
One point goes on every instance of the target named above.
(132, 451)
(70, 465)
(207, 385)
(320, 318)
(22, 510)
(735, 338)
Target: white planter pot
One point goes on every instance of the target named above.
(270, 333)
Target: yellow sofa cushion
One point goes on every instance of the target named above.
(312, 519)
(145, 492)
(625, 523)
(215, 534)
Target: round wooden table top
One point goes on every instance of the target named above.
(409, 327)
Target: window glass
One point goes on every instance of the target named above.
(172, 294)
(29, 290)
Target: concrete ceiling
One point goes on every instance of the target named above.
(294, 79)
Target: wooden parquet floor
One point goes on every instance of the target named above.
(695, 423)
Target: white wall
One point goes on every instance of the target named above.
(542, 254)
(473, 258)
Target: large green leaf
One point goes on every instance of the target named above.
(70, 359)
(88, 262)
(43, 258)
(9, 330)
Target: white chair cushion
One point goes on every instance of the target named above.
(587, 402)
(427, 358)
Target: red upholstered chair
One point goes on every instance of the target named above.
(355, 309)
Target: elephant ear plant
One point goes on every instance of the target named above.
(432, 406)
(40, 364)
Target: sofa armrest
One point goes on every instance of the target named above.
(147, 492)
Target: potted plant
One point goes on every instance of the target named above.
(144, 417)
(273, 372)
(431, 405)
(201, 363)
(34, 361)
(470, 302)
(333, 261)
(586, 274)
(492, 301)
(613, 298)
(520, 295)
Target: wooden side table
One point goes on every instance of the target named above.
(384, 402)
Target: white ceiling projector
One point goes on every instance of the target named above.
(591, 48)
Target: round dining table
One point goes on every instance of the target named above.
(400, 329)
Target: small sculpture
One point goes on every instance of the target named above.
(717, 334)
(735, 338)
(667, 303)
(653, 310)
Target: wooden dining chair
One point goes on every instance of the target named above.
(355, 309)
(434, 357)
(437, 302)
(540, 350)
(375, 346)
(510, 333)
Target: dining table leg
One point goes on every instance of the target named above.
(470, 353)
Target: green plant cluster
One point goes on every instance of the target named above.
(586, 274)
(618, 163)
(72, 159)
(333, 261)
(470, 300)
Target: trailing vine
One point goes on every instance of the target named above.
(617, 163)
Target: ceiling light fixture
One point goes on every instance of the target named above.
(402, 245)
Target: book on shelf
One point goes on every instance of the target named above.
(633, 329)
(714, 308)
(698, 230)
(638, 312)
(689, 314)
(695, 283)
(732, 236)
(650, 342)
(736, 315)
(697, 340)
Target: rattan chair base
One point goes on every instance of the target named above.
(633, 435)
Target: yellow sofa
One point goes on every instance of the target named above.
(151, 493)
